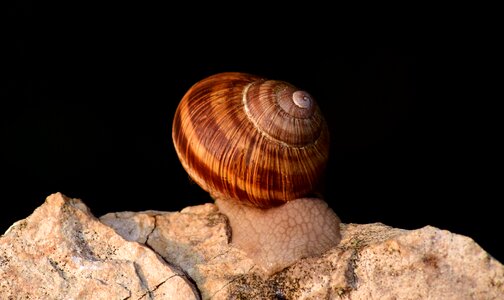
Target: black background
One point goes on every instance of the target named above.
(90, 92)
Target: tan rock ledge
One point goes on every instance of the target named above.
(62, 251)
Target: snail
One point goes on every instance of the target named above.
(259, 147)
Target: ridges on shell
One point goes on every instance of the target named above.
(234, 144)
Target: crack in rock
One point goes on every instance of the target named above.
(151, 292)
(350, 275)
(127, 289)
(231, 281)
(150, 233)
(225, 252)
(143, 281)
(180, 270)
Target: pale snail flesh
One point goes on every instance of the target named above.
(257, 146)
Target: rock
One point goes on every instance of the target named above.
(62, 251)
(196, 240)
(372, 261)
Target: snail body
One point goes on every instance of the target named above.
(257, 145)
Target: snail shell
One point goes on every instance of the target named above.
(240, 136)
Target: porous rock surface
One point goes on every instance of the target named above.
(61, 251)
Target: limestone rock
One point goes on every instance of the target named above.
(373, 261)
(196, 240)
(62, 251)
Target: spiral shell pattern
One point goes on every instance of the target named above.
(259, 141)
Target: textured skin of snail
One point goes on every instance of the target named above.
(259, 147)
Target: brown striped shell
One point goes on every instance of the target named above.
(244, 137)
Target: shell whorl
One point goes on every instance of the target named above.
(243, 137)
